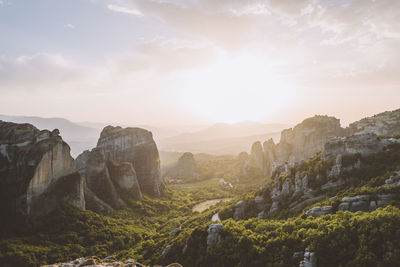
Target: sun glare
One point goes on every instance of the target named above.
(234, 89)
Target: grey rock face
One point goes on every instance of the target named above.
(274, 207)
(31, 164)
(364, 144)
(214, 234)
(356, 203)
(124, 178)
(136, 146)
(286, 187)
(240, 209)
(166, 250)
(310, 259)
(319, 211)
(257, 157)
(310, 136)
(386, 123)
(98, 179)
(269, 155)
(259, 200)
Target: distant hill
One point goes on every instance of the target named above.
(222, 138)
(224, 146)
(224, 130)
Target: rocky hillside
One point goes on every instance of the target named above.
(311, 136)
(36, 173)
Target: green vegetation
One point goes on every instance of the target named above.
(342, 239)
(143, 230)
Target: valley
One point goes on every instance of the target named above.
(309, 199)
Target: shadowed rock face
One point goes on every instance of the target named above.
(98, 179)
(33, 164)
(136, 146)
(125, 179)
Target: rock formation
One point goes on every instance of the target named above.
(309, 259)
(363, 144)
(184, 168)
(386, 123)
(136, 146)
(240, 210)
(214, 234)
(106, 262)
(324, 134)
(37, 172)
(257, 156)
(308, 138)
(124, 164)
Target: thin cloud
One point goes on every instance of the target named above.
(69, 26)
(125, 10)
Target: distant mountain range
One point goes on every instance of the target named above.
(220, 138)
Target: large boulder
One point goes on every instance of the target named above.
(137, 146)
(36, 172)
(239, 210)
(214, 234)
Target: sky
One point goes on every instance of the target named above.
(190, 62)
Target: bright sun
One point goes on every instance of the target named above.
(234, 89)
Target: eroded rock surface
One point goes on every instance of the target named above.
(137, 146)
(36, 172)
(124, 164)
(214, 234)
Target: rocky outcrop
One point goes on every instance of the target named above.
(99, 181)
(257, 156)
(184, 168)
(137, 146)
(214, 234)
(363, 144)
(124, 178)
(310, 260)
(302, 142)
(239, 210)
(36, 172)
(319, 211)
(108, 261)
(308, 138)
(124, 164)
(269, 155)
(353, 204)
(386, 123)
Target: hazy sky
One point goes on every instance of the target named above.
(195, 61)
